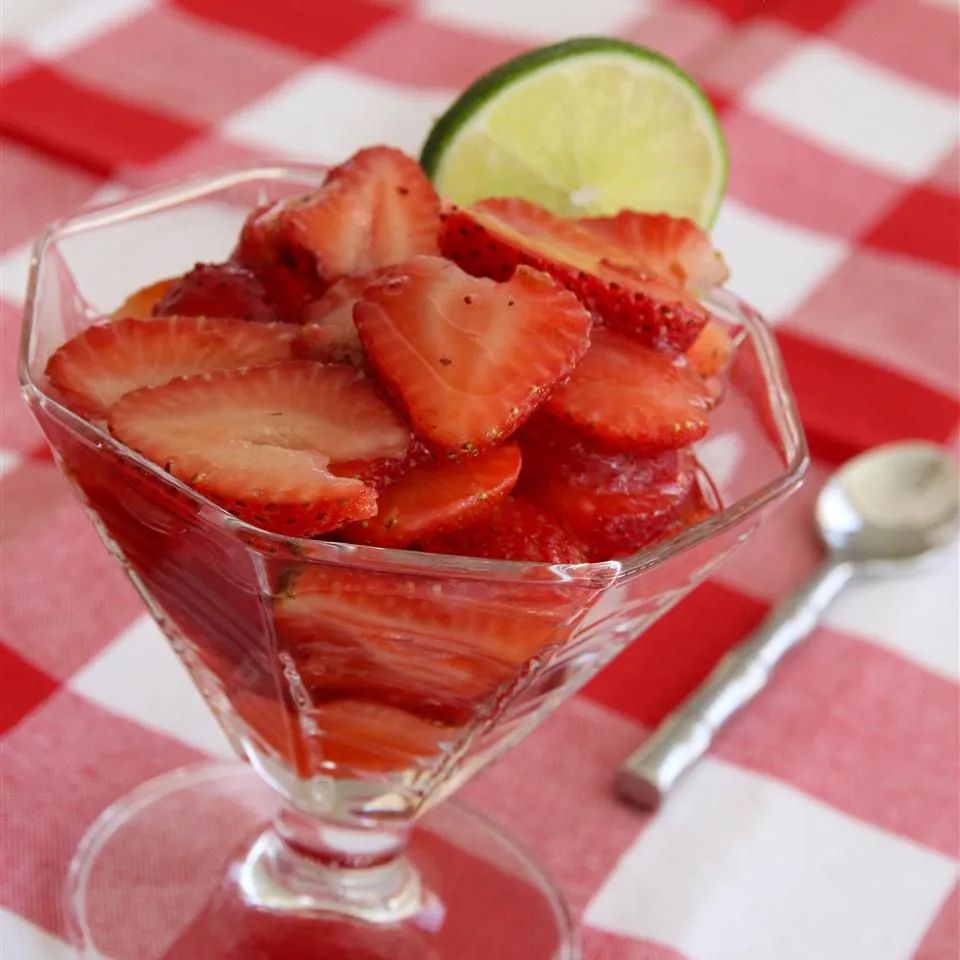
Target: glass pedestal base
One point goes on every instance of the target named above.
(166, 874)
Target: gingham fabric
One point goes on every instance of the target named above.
(824, 824)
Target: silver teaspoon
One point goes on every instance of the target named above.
(885, 512)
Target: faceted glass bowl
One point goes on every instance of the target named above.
(362, 684)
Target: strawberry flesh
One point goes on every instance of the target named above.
(218, 290)
(329, 333)
(259, 441)
(97, 367)
(512, 530)
(712, 351)
(494, 236)
(673, 247)
(437, 498)
(632, 397)
(469, 359)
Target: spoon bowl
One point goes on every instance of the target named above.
(893, 506)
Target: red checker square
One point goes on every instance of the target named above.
(796, 180)
(14, 58)
(811, 15)
(646, 683)
(29, 494)
(848, 403)
(580, 837)
(604, 945)
(942, 940)
(893, 310)
(24, 687)
(679, 30)
(18, 430)
(211, 151)
(918, 40)
(217, 71)
(64, 596)
(321, 29)
(83, 126)
(924, 224)
(37, 189)
(834, 716)
(746, 54)
(63, 765)
(424, 53)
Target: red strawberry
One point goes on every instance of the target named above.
(438, 497)
(712, 351)
(381, 473)
(259, 441)
(329, 333)
(288, 275)
(141, 302)
(469, 359)
(512, 530)
(375, 210)
(632, 397)
(613, 502)
(673, 247)
(217, 290)
(96, 368)
(494, 236)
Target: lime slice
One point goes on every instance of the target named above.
(587, 127)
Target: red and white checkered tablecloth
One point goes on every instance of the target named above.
(824, 825)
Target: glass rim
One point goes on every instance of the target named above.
(778, 395)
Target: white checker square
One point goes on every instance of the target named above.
(916, 616)
(14, 272)
(774, 264)
(536, 20)
(51, 27)
(139, 676)
(9, 461)
(738, 866)
(859, 109)
(327, 112)
(21, 940)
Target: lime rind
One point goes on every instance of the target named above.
(467, 116)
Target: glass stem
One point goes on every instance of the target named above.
(304, 864)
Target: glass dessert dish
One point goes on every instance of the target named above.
(361, 685)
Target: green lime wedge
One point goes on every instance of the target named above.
(586, 127)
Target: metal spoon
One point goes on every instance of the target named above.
(884, 512)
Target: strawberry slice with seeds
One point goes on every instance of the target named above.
(140, 303)
(467, 358)
(329, 333)
(673, 247)
(384, 471)
(494, 236)
(629, 396)
(218, 290)
(260, 441)
(511, 530)
(436, 498)
(375, 210)
(97, 367)
(712, 351)
(613, 502)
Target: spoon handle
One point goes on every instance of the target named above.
(686, 734)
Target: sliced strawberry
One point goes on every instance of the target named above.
(436, 498)
(288, 275)
(612, 502)
(494, 236)
(259, 441)
(673, 247)
(712, 351)
(217, 290)
(375, 210)
(140, 303)
(632, 397)
(329, 333)
(511, 530)
(97, 367)
(469, 359)
(384, 471)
